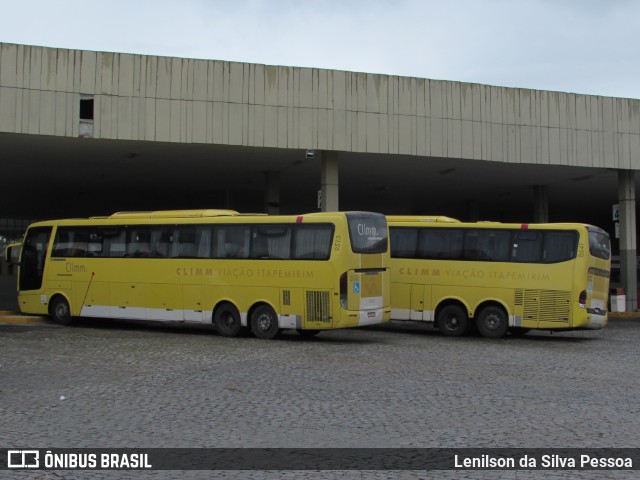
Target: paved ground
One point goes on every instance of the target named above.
(143, 386)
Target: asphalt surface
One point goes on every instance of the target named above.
(124, 385)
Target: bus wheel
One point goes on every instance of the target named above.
(453, 321)
(493, 322)
(307, 333)
(264, 322)
(60, 311)
(227, 320)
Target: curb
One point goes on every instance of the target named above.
(625, 315)
(13, 318)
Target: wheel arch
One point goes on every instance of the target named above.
(493, 302)
(259, 303)
(450, 301)
(222, 302)
(66, 298)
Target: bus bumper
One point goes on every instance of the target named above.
(374, 317)
(596, 319)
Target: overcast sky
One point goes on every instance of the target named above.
(583, 46)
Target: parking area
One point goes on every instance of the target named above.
(125, 385)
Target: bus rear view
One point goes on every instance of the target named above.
(365, 288)
(594, 298)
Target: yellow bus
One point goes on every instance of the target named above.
(498, 278)
(310, 272)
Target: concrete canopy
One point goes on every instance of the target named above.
(179, 133)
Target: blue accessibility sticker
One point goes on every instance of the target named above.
(356, 287)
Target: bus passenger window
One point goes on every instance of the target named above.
(184, 242)
(138, 244)
(404, 242)
(527, 247)
(71, 242)
(231, 241)
(95, 245)
(487, 245)
(115, 245)
(312, 242)
(203, 242)
(559, 246)
(271, 241)
(440, 244)
(160, 240)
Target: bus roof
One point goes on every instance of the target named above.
(421, 218)
(174, 214)
(448, 221)
(191, 216)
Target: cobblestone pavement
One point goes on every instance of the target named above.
(134, 386)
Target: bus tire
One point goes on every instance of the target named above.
(60, 311)
(453, 321)
(493, 322)
(264, 322)
(227, 320)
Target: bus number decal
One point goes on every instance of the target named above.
(336, 243)
(581, 250)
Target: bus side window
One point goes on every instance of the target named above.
(312, 242)
(271, 241)
(115, 245)
(159, 243)
(71, 242)
(95, 245)
(404, 242)
(184, 242)
(138, 243)
(527, 247)
(487, 245)
(63, 243)
(559, 246)
(203, 242)
(440, 244)
(231, 241)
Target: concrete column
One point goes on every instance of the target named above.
(272, 197)
(329, 181)
(628, 262)
(541, 204)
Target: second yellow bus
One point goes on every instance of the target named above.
(498, 278)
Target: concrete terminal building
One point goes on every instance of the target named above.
(87, 133)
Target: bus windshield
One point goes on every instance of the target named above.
(599, 245)
(368, 232)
